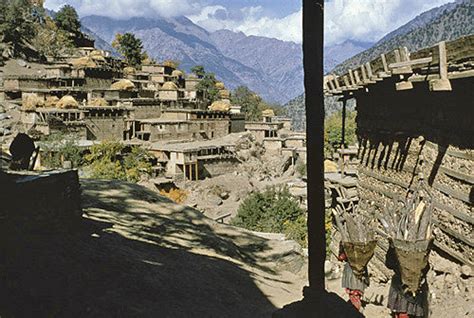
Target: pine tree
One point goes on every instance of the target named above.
(67, 19)
(130, 47)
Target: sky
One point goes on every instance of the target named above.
(359, 20)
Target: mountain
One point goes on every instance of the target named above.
(337, 53)
(180, 39)
(447, 22)
(280, 62)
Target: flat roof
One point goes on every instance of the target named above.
(227, 141)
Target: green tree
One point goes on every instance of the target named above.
(273, 210)
(58, 148)
(198, 70)
(112, 160)
(52, 41)
(131, 48)
(252, 104)
(16, 22)
(67, 19)
(333, 131)
(207, 88)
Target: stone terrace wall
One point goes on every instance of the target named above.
(40, 201)
(399, 129)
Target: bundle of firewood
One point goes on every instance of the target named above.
(354, 224)
(409, 218)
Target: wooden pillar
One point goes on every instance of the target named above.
(313, 67)
(197, 171)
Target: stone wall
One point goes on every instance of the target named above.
(40, 201)
(402, 133)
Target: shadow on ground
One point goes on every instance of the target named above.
(127, 259)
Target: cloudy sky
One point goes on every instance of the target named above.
(361, 20)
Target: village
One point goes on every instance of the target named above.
(200, 159)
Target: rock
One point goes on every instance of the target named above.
(22, 63)
(466, 271)
(224, 195)
(214, 200)
(5, 116)
(2, 109)
(328, 267)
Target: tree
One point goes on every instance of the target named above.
(111, 160)
(273, 210)
(333, 131)
(198, 70)
(130, 47)
(16, 22)
(52, 41)
(67, 19)
(252, 104)
(207, 88)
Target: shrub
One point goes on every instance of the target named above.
(111, 160)
(176, 195)
(333, 131)
(273, 210)
(59, 148)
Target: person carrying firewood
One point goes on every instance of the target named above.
(404, 304)
(353, 285)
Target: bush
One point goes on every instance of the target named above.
(273, 210)
(302, 169)
(333, 131)
(67, 19)
(112, 160)
(59, 148)
(175, 195)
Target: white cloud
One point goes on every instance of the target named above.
(369, 20)
(251, 21)
(128, 8)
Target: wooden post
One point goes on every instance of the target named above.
(313, 10)
(351, 76)
(197, 171)
(443, 83)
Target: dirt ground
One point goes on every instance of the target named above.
(137, 254)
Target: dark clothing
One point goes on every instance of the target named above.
(21, 149)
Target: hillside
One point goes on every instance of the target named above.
(180, 39)
(447, 22)
(138, 254)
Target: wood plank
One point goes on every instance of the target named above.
(453, 233)
(384, 63)
(383, 178)
(456, 194)
(451, 152)
(425, 60)
(458, 175)
(463, 216)
(455, 254)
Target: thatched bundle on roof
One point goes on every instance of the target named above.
(268, 113)
(169, 86)
(330, 166)
(30, 102)
(67, 102)
(98, 102)
(177, 73)
(220, 85)
(123, 85)
(83, 62)
(129, 71)
(51, 101)
(220, 105)
(97, 55)
(224, 94)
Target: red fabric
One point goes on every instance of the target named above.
(402, 315)
(342, 257)
(355, 297)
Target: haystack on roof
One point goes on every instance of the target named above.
(129, 71)
(97, 55)
(123, 85)
(268, 113)
(170, 86)
(177, 73)
(220, 85)
(98, 102)
(83, 62)
(67, 102)
(220, 105)
(51, 101)
(31, 102)
(224, 94)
